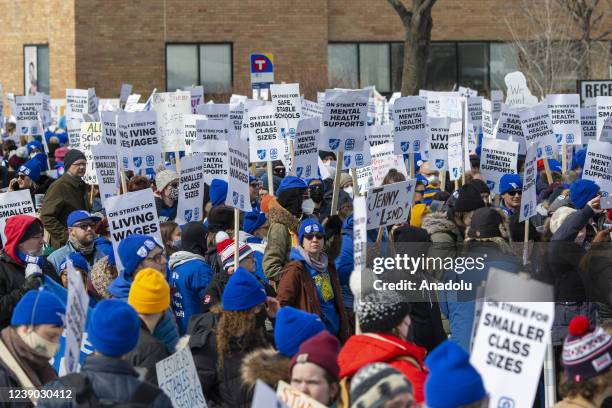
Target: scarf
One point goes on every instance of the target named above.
(320, 265)
(83, 249)
(29, 259)
(36, 366)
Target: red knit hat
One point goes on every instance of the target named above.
(226, 249)
(322, 350)
(586, 350)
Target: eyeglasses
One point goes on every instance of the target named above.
(86, 227)
(80, 164)
(310, 237)
(514, 192)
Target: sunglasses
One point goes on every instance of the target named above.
(515, 192)
(21, 176)
(310, 237)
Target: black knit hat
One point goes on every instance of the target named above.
(469, 199)
(72, 156)
(381, 311)
(481, 186)
(485, 223)
(220, 218)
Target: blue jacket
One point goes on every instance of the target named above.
(103, 248)
(189, 277)
(345, 262)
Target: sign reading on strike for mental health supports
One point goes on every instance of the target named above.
(191, 130)
(76, 316)
(238, 178)
(191, 190)
(213, 156)
(344, 120)
(14, 203)
(598, 165)
(564, 112)
(438, 143)
(108, 119)
(139, 141)
(265, 143)
(91, 134)
(29, 115)
(178, 378)
(529, 198)
(306, 148)
(498, 157)
(171, 108)
(455, 150)
(410, 118)
(287, 108)
(604, 109)
(390, 204)
(537, 129)
(104, 158)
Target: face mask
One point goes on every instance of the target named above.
(349, 191)
(308, 206)
(173, 194)
(431, 178)
(176, 244)
(316, 194)
(38, 344)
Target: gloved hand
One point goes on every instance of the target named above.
(333, 225)
(33, 270)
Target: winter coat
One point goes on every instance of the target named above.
(297, 289)
(222, 387)
(59, 255)
(8, 379)
(165, 213)
(363, 349)
(112, 380)
(64, 196)
(282, 227)
(345, 263)
(189, 277)
(267, 365)
(147, 353)
(445, 237)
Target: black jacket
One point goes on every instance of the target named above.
(9, 380)
(147, 353)
(13, 285)
(113, 381)
(222, 387)
(214, 290)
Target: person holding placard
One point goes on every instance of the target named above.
(166, 194)
(28, 177)
(37, 152)
(510, 189)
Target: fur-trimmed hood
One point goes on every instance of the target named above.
(265, 364)
(280, 215)
(437, 222)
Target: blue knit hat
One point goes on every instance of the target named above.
(133, 249)
(39, 306)
(293, 327)
(114, 328)
(243, 291)
(41, 158)
(309, 226)
(78, 261)
(510, 181)
(554, 165)
(578, 159)
(62, 136)
(34, 144)
(217, 192)
(452, 380)
(253, 220)
(582, 191)
(31, 168)
(290, 182)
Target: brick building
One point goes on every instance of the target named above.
(166, 44)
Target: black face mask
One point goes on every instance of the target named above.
(316, 193)
(279, 172)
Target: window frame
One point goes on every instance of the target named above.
(37, 45)
(198, 59)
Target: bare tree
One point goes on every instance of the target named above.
(417, 23)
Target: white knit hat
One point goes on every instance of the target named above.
(559, 217)
(165, 177)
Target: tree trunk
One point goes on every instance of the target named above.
(416, 51)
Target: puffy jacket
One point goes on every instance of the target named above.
(445, 237)
(147, 353)
(281, 233)
(59, 255)
(345, 262)
(189, 277)
(112, 380)
(363, 349)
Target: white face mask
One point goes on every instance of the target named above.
(39, 344)
(308, 206)
(349, 191)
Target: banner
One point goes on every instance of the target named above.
(598, 165)
(438, 143)
(76, 316)
(191, 130)
(91, 134)
(390, 204)
(588, 122)
(238, 178)
(604, 109)
(213, 156)
(455, 150)
(139, 141)
(306, 148)
(108, 120)
(105, 162)
(409, 116)
(171, 109)
(287, 108)
(265, 143)
(564, 112)
(178, 378)
(344, 120)
(14, 203)
(498, 157)
(29, 115)
(191, 190)
(214, 111)
(537, 129)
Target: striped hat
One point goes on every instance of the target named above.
(226, 248)
(586, 350)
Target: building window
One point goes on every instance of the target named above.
(36, 69)
(474, 65)
(503, 59)
(343, 65)
(209, 65)
(375, 66)
(441, 68)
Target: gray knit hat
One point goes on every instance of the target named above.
(376, 384)
(165, 177)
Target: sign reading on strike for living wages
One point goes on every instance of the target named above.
(14, 203)
(265, 143)
(410, 118)
(191, 190)
(598, 165)
(498, 157)
(171, 108)
(108, 119)
(287, 108)
(238, 178)
(390, 204)
(139, 141)
(306, 148)
(537, 129)
(344, 120)
(213, 156)
(565, 118)
(178, 378)
(529, 198)
(438, 143)
(104, 158)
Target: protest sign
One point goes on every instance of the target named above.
(139, 141)
(604, 110)
(455, 150)
(497, 98)
(509, 125)
(588, 122)
(28, 115)
(265, 143)
(442, 105)
(364, 179)
(344, 120)
(352, 160)
(104, 158)
(384, 159)
(191, 190)
(487, 119)
(108, 121)
(91, 134)
(14, 203)
(564, 112)
(390, 204)
(529, 198)
(197, 96)
(537, 129)
(79, 101)
(287, 108)
(45, 113)
(124, 93)
(438, 143)
(360, 231)
(236, 99)
(410, 132)
(379, 134)
(132, 102)
(467, 92)
(178, 378)
(212, 129)
(171, 109)
(598, 165)
(213, 156)
(311, 109)
(294, 398)
(265, 397)
(518, 92)
(248, 105)
(238, 178)
(76, 316)
(214, 111)
(498, 157)
(606, 131)
(306, 148)
(191, 130)
(474, 113)
(236, 114)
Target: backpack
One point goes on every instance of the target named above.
(144, 396)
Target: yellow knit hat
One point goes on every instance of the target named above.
(150, 293)
(417, 213)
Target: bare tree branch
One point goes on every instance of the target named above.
(401, 10)
(425, 4)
